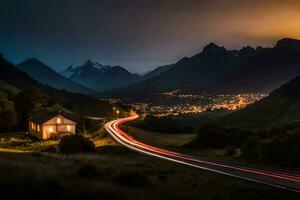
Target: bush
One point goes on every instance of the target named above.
(279, 145)
(75, 144)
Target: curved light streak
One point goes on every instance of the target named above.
(268, 177)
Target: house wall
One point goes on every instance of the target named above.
(52, 130)
(58, 125)
(48, 131)
(54, 127)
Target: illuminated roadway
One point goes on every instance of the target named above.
(274, 178)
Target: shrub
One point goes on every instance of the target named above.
(75, 144)
(279, 145)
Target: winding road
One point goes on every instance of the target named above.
(274, 178)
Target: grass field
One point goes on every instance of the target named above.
(160, 139)
(117, 173)
(177, 143)
(20, 142)
(113, 172)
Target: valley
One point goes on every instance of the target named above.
(211, 123)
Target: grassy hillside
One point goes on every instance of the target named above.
(116, 173)
(281, 106)
(7, 87)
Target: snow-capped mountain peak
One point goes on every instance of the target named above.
(89, 66)
(94, 63)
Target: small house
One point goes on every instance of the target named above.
(50, 125)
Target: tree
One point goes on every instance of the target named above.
(8, 116)
(27, 103)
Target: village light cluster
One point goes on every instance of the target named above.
(190, 103)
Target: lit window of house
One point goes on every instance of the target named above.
(32, 125)
(58, 120)
(68, 128)
(38, 128)
(50, 129)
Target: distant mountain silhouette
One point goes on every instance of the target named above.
(100, 77)
(196, 72)
(218, 70)
(268, 69)
(47, 76)
(17, 78)
(281, 106)
(157, 71)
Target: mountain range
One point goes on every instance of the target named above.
(219, 70)
(215, 69)
(14, 80)
(194, 72)
(100, 77)
(89, 78)
(265, 71)
(250, 70)
(47, 76)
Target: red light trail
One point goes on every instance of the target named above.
(269, 177)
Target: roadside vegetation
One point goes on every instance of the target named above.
(279, 146)
(76, 144)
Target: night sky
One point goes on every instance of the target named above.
(138, 34)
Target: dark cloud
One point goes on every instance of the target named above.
(138, 34)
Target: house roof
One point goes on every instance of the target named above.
(46, 115)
